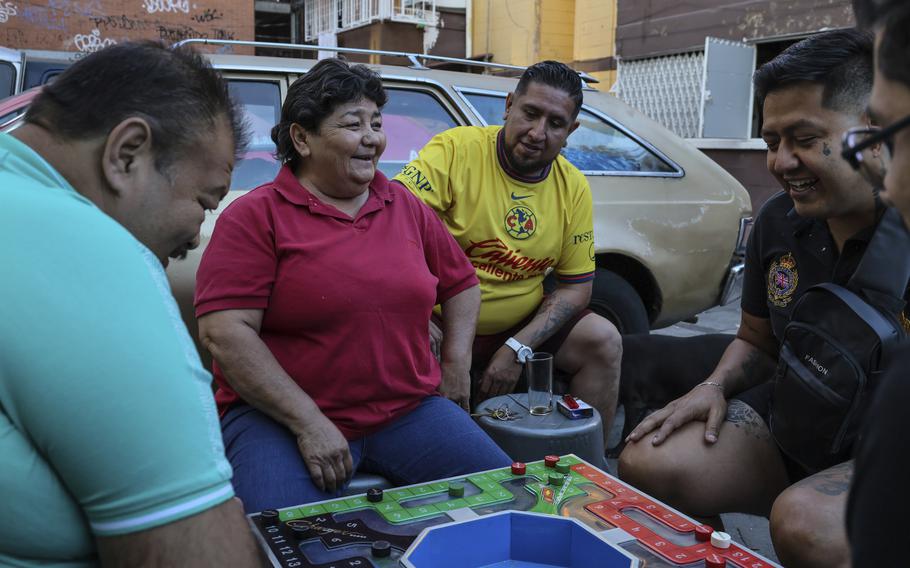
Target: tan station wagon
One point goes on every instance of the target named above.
(668, 221)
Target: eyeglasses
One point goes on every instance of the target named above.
(869, 150)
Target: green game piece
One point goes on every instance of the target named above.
(562, 467)
(554, 479)
(456, 489)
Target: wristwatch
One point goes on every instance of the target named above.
(522, 351)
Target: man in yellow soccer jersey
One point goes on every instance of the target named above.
(518, 209)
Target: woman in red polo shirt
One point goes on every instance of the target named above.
(314, 297)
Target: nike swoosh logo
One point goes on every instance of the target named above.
(519, 197)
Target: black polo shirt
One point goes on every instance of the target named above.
(787, 254)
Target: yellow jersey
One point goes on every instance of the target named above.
(512, 228)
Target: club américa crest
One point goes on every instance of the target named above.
(520, 222)
(782, 280)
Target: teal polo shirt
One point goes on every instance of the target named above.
(107, 421)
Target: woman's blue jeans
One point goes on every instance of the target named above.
(435, 440)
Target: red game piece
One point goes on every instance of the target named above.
(715, 561)
(550, 461)
(703, 533)
(518, 468)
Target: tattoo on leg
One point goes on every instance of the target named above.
(833, 481)
(742, 416)
(826, 150)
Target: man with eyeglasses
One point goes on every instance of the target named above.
(711, 451)
(880, 495)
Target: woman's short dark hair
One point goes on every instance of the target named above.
(839, 60)
(330, 83)
(175, 91)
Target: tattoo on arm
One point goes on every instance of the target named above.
(756, 368)
(557, 311)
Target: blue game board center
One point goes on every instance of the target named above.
(515, 539)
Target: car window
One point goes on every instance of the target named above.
(7, 79)
(261, 102)
(410, 119)
(595, 147)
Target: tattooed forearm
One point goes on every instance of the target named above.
(555, 312)
(756, 367)
(746, 419)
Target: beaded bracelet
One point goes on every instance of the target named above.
(711, 384)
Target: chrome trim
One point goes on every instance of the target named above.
(733, 284)
(461, 93)
(412, 57)
(745, 225)
(680, 172)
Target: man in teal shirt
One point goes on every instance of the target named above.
(110, 448)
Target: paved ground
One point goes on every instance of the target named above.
(747, 529)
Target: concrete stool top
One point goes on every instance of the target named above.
(530, 438)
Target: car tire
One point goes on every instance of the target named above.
(615, 299)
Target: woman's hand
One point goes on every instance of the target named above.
(326, 453)
(456, 384)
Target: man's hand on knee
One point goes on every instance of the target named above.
(705, 402)
(500, 376)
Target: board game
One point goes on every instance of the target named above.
(376, 529)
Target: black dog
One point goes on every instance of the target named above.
(656, 369)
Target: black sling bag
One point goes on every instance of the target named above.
(837, 344)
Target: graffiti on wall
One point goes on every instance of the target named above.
(85, 26)
(88, 43)
(155, 6)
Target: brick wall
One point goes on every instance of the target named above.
(88, 25)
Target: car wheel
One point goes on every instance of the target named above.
(615, 299)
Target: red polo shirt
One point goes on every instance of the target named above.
(347, 301)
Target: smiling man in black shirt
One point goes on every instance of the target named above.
(711, 450)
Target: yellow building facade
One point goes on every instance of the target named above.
(522, 32)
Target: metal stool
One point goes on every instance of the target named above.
(529, 438)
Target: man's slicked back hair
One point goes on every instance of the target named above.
(553, 74)
(892, 17)
(175, 91)
(839, 60)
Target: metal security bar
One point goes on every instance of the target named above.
(667, 89)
